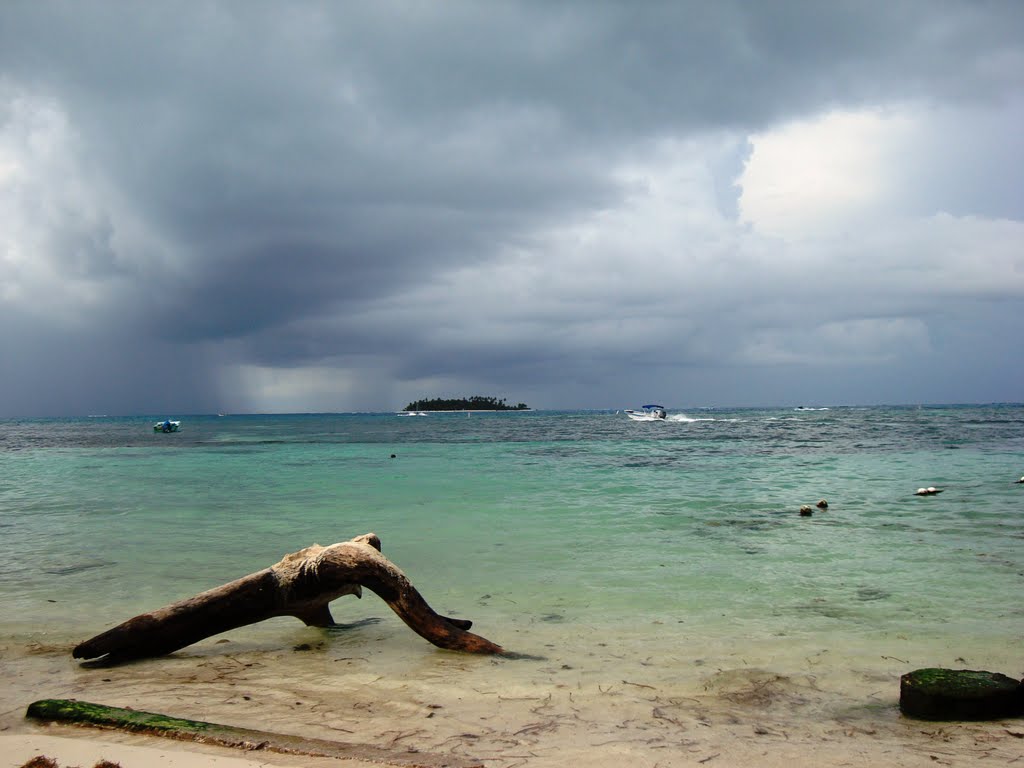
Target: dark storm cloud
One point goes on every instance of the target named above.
(422, 193)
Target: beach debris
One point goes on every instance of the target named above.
(960, 694)
(927, 491)
(806, 510)
(84, 713)
(42, 761)
(822, 504)
(302, 585)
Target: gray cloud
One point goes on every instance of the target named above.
(540, 201)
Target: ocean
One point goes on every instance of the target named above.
(664, 559)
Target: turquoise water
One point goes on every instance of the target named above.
(667, 602)
(538, 519)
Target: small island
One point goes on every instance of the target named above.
(474, 403)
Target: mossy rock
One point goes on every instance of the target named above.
(960, 694)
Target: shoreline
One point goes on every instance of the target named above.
(395, 694)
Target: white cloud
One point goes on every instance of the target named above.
(847, 172)
(823, 175)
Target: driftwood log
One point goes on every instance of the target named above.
(301, 585)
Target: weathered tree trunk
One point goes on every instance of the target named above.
(301, 585)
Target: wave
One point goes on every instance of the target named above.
(682, 417)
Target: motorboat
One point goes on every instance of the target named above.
(167, 426)
(648, 413)
(411, 413)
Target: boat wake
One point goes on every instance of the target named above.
(682, 417)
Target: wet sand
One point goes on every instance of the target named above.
(571, 708)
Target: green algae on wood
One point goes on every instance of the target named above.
(87, 713)
(960, 694)
(151, 723)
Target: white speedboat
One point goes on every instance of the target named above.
(648, 413)
(167, 426)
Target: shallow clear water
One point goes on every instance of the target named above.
(550, 520)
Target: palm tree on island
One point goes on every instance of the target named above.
(474, 403)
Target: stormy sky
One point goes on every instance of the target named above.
(337, 206)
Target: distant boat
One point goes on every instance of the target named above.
(648, 413)
(411, 413)
(167, 426)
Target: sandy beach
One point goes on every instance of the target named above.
(733, 745)
(471, 709)
(82, 748)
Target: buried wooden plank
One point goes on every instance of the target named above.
(85, 713)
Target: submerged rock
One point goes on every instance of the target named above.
(960, 694)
